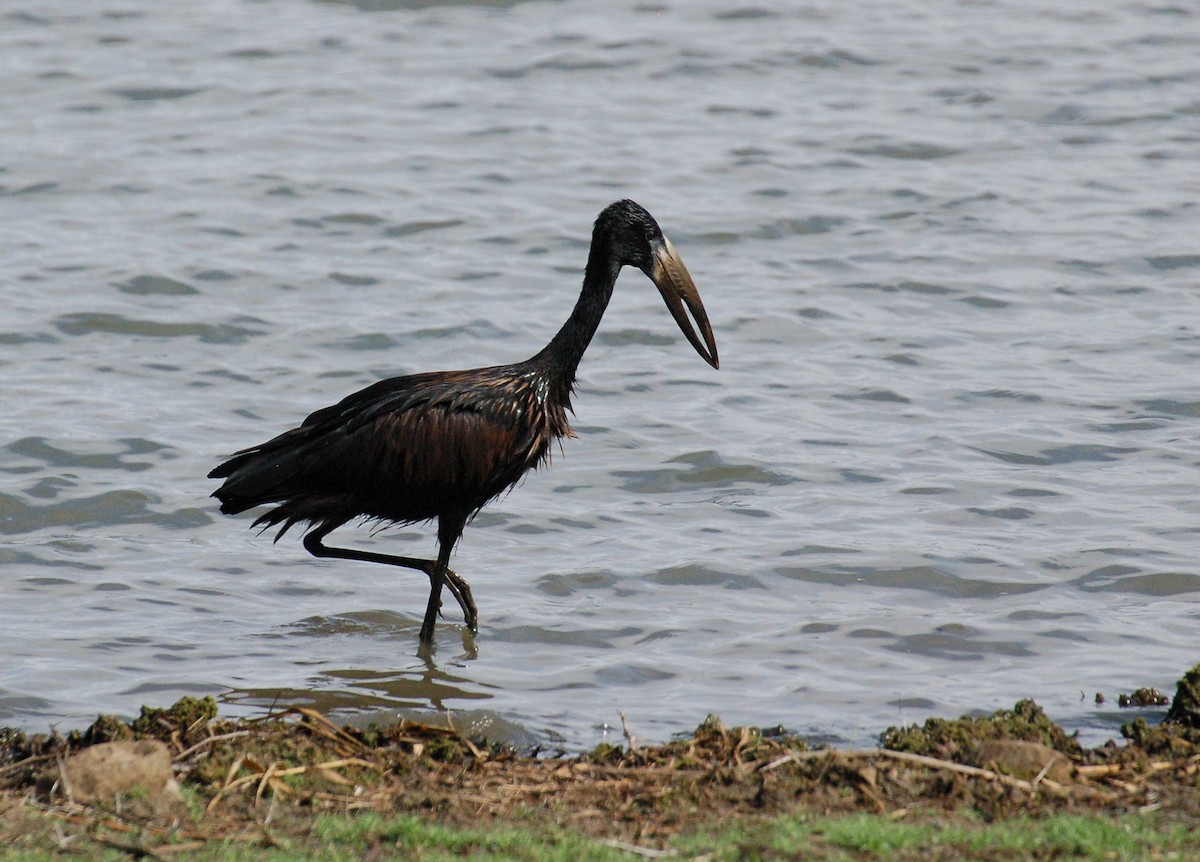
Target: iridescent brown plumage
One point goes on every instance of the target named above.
(442, 444)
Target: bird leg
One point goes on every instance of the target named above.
(457, 585)
(449, 530)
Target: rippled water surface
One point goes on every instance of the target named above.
(950, 251)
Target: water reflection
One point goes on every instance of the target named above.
(345, 692)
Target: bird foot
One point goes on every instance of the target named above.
(461, 590)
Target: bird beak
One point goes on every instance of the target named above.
(671, 277)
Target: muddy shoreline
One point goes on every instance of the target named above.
(184, 774)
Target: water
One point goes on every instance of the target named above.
(949, 251)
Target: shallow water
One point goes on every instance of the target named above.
(949, 251)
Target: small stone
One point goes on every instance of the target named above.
(1023, 760)
(103, 772)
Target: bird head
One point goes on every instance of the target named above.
(637, 240)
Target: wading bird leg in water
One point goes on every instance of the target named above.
(458, 586)
(450, 527)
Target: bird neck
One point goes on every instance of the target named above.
(560, 358)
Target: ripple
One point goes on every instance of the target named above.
(708, 469)
(1175, 261)
(568, 585)
(631, 674)
(88, 323)
(926, 578)
(882, 395)
(1065, 635)
(1083, 452)
(1023, 615)
(784, 228)
(369, 623)
(413, 228)
(859, 477)
(18, 338)
(927, 491)
(957, 646)
(154, 94)
(1011, 513)
(1003, 395)
(30, 190)
(987, 303)
(1135, 427)
(703, 576)
(156, 285)
(1128, 579)
(12, 557)
(101, 510)
(41, 450)
(623, 337)
(745, 13)
(366, 343)
(818, 628)
(353, 280)
(368, 219)
(915, 151)
(593, 638)
(1169, 407)
(23, 706)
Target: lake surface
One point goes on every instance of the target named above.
(951, 252)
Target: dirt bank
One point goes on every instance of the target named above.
(207, 779)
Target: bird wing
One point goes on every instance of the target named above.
(404, 449)
(451, 439)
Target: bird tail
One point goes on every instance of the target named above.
(259, 475)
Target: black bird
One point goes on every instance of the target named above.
(443, 444)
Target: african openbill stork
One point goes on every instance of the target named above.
(442, 444)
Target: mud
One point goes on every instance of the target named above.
(253, 780)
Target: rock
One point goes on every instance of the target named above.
(1185, 708)
(1023, 760)
(101, 773)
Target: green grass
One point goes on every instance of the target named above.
(426, 841)
(867, 838)
(851, 838)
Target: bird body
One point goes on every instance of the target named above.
(403, 450)
(441, 445)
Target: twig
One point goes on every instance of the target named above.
(472, 747)
(271, 775)
(64, 780)
(962, 769)
(921, 759)
(263, 782)
(186, 847)
(329, 728)
(801, 756)
(208, 741)
(647, 852)
(233, 770)
(633, 746)
(20, 764)
(134, 850)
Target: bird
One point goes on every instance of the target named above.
(441, 445)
